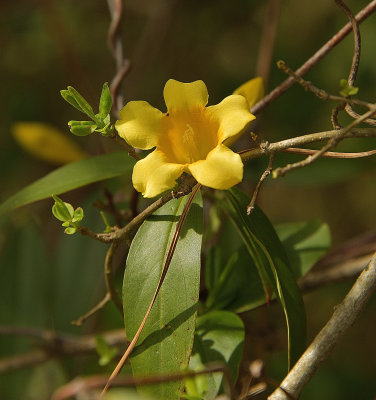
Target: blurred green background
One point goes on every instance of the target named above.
(48, 278)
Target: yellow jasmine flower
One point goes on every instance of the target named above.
(190, 138)
(47, 143)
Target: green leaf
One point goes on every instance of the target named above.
(105, 102)
(166, 341)
(347, 90)
(83, 104)
(269, 256)
(238, 287)
(71, 176)
(82, 128)
(70, 99)
(219, 338)
(106, 352)
(70, 230)
(61, 210)
(305, 243)
(78, 215)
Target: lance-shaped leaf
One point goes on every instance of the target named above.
(269, 256)
(82, 103)
(166, 341)
(71, 176)
(82, 128)
(105, 102)
(219, 338)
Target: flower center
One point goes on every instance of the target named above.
(189, 136)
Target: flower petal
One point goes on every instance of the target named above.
(153, 174)
(252, 90)
(233, 116)
(181, 96)
(140, 124)
(222, 168)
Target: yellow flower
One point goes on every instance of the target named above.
(190, 138)
(47, 143)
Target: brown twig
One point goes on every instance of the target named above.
(54, 344)
(357, 42)
(321, 347)
(276, 147)
(336, 273)
(332, 143)
(79, 321)
(79, 385)
(330, 154)
(116, 47)
(131, 151)
(312, 61)
(320, 93)
(112, 208)
(111, 290)
(264, 175)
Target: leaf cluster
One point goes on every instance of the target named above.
(100, 123)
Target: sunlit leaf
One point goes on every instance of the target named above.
(71, 176)
(166, 341)
(219, 338)
(305, 243)
(105, 102)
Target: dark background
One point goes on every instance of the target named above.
(48, 45)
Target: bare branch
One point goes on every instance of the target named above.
(331, 154)
(79, 321)
(55, 344)
(312, 61)
(264, 175)
(79, 385)
(332, 143)
(268, 148)
(319, 350)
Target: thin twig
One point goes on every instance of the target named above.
(336, 273)
(166, 266)
(183, 189)
(79, 321)
(332, 143)
(330, 154)
(111, 290)
(131, 151)
(264, 175)
(312, 61)
(357, 42)
(322, 346)
(79, 385)
(112, 208)
(54, 344)
(116, 47)
(320, 93)
(276, 147)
